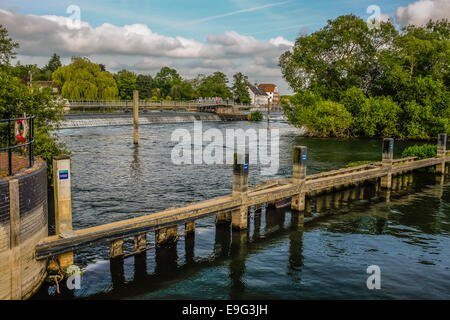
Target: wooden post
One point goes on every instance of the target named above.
(116, 249)
(136, 116)
(63, 204)
(15, 265)
(240, 187)
(299, 177)
(166, 235)
(441, 151)
(140, 243)
(189, 228)
(388, 156)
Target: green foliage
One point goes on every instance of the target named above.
(392, 83)
(165, 79)
(240, 88)
(7, 47)
(126, 83)
(424, 151)
(215, 86)
(256, 116)
(83, 79)
(17, 99)
(322, 118)
(144, 86)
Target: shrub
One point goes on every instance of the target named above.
(422, 152)
(255, 116)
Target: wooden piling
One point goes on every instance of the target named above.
(240, 187)
(116, 249)
(63, 204)
(387, 158)
(441, 151)
(136, 116)
(166, 235)
(299, 177)
(140, 243)
(189, 228)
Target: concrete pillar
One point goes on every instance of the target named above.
(63, 204)
(136, 116)
(140, 243)
(299, 177)
(388, 156)
(166, 235)
(239, 216)
(15, 265)
(116, 249)
(441, 150)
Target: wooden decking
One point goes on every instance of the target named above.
(266, 193)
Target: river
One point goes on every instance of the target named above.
(408, 237)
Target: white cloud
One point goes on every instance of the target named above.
(138, 48)
(420, 12)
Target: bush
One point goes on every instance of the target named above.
(255, 116)
(422, 152)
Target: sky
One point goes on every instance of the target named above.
(195, 36)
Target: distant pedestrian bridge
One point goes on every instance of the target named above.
(111, 106)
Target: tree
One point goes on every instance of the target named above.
(144, 86)
(392, 83)
(7, 47)
(215, 86)
(165, 79)
(83, 79)
(54, 63)
(126, 83)
(240, 88)
(17, 98)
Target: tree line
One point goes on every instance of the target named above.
(83, 79)
(354, 81)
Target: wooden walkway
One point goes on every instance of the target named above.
(234, 208)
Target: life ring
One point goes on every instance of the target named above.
(21, 136)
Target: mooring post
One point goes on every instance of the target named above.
(441, 151)
(240, 186)
(298, 179)
(388, 156)
(63, 204)
(136, 116)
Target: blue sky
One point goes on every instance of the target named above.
(198, 18)
(194, 37)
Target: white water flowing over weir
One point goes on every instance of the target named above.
(99, 121)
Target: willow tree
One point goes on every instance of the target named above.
(83, 79)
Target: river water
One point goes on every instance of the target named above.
(408, 238)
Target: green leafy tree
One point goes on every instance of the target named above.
(165, 79)
(240, 88)
(54, 63)
(215, 85)
(83, 79)
(392, 83)
(144, 86)
(17, 99)
(126, 83)
(7, 47)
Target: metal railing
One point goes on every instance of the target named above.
(19, 150)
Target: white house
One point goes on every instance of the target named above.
(258, 97)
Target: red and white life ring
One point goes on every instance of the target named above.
(20, 136)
